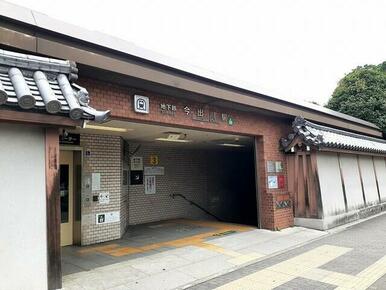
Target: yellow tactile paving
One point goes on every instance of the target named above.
(125, 251)
(218, 249)
(196, 240)
(285, 271)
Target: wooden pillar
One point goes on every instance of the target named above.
(53, 209)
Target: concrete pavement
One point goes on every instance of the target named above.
(354, 258)
(171, 260)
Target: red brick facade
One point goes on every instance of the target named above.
(267, 130)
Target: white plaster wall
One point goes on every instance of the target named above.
(369, 181)
(330, 184)
(352, 181)
(23, 242)
(380, 167)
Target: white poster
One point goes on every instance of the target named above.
(272, 182)
(149, 184)
(95, 181)
(154, 170)
(136, 163)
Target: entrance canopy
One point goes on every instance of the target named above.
(329, 139)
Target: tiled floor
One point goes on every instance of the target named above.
(171, 254)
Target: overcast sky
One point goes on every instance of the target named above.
(290, 48)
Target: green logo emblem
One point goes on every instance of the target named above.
(230, 121)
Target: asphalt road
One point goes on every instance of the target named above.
(354, 258)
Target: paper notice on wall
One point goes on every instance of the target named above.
(136, 163)
(150, 184)
(96, 181)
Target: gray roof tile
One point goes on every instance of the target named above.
(44, 85)
(319, 136)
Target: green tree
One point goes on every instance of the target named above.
(362, 94)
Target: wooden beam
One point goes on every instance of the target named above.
(53, 209)
(37, 118)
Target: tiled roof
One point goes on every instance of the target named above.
(44, 85)
(319, 136)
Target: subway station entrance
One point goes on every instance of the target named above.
(183, 173)
(169, 187)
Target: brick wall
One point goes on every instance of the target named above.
(267, 129)
(105, 159)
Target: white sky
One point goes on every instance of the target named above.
(290, 48)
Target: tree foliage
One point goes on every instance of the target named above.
(362, 94)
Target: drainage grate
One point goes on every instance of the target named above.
(224, 233)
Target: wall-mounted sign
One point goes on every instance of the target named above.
(271, 166)
(274, 166)
(206, 114)
(272, 182)
(104, 198)
(279, 166)
(154, 170)
(95, 181)
(136, 177)
(141, 104)
(136, 163)
(150, 184)
(108, 217)
(69, 139)
(168, 109)
(153, 159)
(281, 181)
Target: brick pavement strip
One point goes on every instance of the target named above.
(352, 259)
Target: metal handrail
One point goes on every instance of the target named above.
(196, 205)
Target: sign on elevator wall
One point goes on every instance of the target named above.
(95, 181)
(150, 187)
(141, 104)
(107, 217)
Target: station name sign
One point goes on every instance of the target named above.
(196, 112)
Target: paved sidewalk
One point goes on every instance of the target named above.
(213, 249)
(352, 259)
